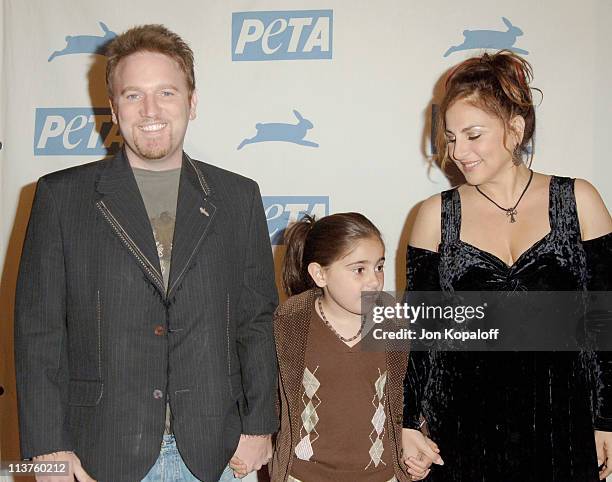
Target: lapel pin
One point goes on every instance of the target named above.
(204, 211)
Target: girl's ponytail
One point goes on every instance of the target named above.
(295, 278)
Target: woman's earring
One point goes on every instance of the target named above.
(517, 158)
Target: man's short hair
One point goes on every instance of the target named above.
(149, 38)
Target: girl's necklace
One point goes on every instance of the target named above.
(346, 340)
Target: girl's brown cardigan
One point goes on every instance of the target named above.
(291, 328)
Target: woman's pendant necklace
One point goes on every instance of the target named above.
(510, 212)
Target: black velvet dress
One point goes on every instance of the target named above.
(513, 416)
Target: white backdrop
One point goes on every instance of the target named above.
(363, 73)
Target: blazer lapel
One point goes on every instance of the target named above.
(121, 205)
(194, 214)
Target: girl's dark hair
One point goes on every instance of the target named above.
(320, 241)
(497, 84)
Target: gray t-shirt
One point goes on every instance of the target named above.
(159, 191)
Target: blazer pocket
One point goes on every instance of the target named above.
(85, 393)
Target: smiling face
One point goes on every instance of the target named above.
(475, 141)
(152, 106)
(343, 281)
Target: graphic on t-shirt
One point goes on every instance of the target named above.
(163, 231)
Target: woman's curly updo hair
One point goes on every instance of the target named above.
(499, 85)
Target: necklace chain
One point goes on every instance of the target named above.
(511, 212)
(320, 305)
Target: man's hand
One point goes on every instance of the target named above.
(253, 452)
(76, 471)
(239, 467)
(603, 445)
(419, 452)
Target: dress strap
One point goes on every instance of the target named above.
(562, 210)
(451, 216)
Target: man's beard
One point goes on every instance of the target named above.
(152, 150)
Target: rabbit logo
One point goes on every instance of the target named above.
(280, 132)
(490, 39)
(85, 44)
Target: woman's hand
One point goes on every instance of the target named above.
(419, 452)
(603, 445)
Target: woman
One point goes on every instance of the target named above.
(518, 416)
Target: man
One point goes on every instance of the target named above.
(145, 295)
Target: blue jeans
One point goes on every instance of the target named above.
(170, 467)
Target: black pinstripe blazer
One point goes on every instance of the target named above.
(99, 343)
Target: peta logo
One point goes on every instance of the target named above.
(286, 35)
(85, 44)
(284, 210)
(75, 131)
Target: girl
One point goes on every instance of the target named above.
(340, 408)
(501, 417)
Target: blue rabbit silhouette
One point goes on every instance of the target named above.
(276, 131)
(490, 39)
(85, 44)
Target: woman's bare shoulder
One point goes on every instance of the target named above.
(593, 215)
(426, 229)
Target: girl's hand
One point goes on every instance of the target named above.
(239, 467)
(603, 445)
(419, 452)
